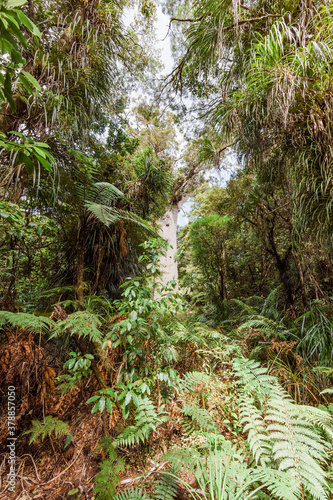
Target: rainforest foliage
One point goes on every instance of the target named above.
(218, 384)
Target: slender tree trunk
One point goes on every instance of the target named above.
(305, 297)
(225, 274)
(80, 259)
(169, 267)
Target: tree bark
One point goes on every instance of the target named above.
(305, 296)
(169, 267)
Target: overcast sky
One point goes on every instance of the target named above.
(163, 43)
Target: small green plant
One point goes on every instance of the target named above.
(124, 394)
(49, 426)
(78, 366)
(107, 480)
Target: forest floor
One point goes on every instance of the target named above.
(49, 467)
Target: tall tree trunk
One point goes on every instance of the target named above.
(168, 231)
(80, 259)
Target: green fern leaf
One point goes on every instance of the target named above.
(166, 487)
(26, 321)
(46, 428)
(146, 421)
(199, 419)
(132, 494)
(81, 323)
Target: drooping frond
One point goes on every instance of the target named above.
(81, 323)
(278, 482)
(104, 193)
(26, 321)
(282, 431)
(256, 427)
(266, 326)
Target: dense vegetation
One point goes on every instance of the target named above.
(216, 385)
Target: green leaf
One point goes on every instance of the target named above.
(23, 158)
(7, 89)
(327, 391)
(15, 3)
(128, 398)
(28, 24)
(73, 492)
(26, 84)
(109, 405)
(44, 162)
(101, 404)
(32, 80)
(133, 315)
(91, 400)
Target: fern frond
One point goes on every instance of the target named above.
(46, 428)
(83, 324)
(146, 421)
(166, 487)
(278, 482)
(198, 419)
(133, 493)
(321, 418)
(108, 478)
(256, 428)
(246, 308)
(26, 321)
(104, 192)
(183, 458)
(193, 379)
(267, 326)
(198, 334)
(252, 376)
(297, 447)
